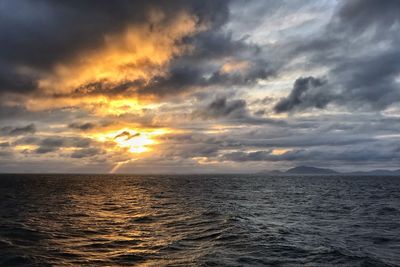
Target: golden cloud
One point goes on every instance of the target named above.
(141, 51)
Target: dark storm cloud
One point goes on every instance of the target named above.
(361, 48)
(15, 131)
(65, 27)
(303, 96)
(40, 34)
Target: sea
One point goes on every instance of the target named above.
(199, 220)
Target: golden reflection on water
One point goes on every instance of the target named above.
(123, 222)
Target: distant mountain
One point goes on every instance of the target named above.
(310, 170)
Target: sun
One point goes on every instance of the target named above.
(134, 141)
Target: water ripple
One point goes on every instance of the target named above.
(70, 220)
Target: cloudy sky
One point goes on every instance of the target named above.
(199, 86)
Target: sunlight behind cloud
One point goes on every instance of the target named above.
(135, 141)
(138, 53)
(138, 143)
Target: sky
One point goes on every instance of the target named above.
(199, 86)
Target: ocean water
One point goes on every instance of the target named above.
(220, 220)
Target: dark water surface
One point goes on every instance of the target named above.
(72, 220)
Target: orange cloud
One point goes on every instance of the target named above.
(141, 51)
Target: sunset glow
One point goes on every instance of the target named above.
(198, 86)
(135, 141)
(136, 144)
(199, 132)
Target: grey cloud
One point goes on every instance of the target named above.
(351, 155)
(187, 150)
(45, 149)
(264, 101)
(12, 81)
(309, 140)
(15, 131)
(360, 49)
(347, 140)
(232, 111)
(215, 45)
(251, 156)
(51, 144)
(221, 107)
(303, 96)
(82, 126)
(85, 152)
(260, 70)
(186, 74)
(10, 114)
(4, 144)
(199, 70)
(363, 14)
(179, 79)
(27, 140)
(370, 80)
(6, 154)
(259, 112)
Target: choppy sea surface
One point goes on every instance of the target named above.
(220, 220)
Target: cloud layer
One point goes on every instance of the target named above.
(198, 86)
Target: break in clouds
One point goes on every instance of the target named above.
(198, 86)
